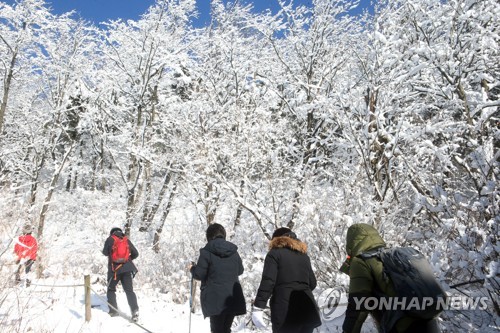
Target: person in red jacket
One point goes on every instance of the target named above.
(25, 249)
(121, 270)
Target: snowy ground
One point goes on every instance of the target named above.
(58, 306)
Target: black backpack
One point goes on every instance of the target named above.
(412, 277)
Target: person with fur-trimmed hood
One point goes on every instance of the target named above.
(288, 280)
(121, 271)
(218, 268)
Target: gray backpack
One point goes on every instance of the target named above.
(413, 279)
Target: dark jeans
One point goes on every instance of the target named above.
(221, 323)
(126, 280)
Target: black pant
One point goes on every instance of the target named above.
(27, 268)
(301, 313)
(221, 323)
(126, 280)
(423, 326)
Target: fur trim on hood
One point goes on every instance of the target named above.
(288, 242)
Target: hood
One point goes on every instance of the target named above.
(289, 243)
(221, 248)
(360, 238)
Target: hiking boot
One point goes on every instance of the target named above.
(28, 283)
(135, 316)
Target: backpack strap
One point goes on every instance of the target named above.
(371, 253)
(374, 253)
(115, 268)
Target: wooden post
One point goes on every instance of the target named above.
(87, 298)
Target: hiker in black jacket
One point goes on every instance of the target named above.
(123, 272)
(218, 268)
(288, 279)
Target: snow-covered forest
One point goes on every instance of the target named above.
(309, 118)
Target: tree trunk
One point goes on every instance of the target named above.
(135, 167)
(147, 203)
(6, 88)
(210, 205)
(101, 166)
(45, 207)
(147, 220)
(156, 239)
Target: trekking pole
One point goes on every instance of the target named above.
(191, 293)
(190, 301)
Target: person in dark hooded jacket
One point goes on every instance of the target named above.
(288, 279)
(121, 272)
(218, 269)
(367, 279)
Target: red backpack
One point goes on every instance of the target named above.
(120, 252)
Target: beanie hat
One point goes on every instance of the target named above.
(115, 229)
(215, 230)
(283, 231)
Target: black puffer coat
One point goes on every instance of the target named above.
(126, 267)
(218, 268)
(289, 280)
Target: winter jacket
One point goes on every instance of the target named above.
(26, 247)
(367, 279)
(119, 268)
(288, 280)
(218, 268)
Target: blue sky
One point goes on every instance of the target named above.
(103, 10)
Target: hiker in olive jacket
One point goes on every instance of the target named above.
(367, 279)
(218, 269)
(123, 272)
(288, 280)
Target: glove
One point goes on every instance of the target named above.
(258, 318)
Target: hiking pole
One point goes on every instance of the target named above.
(191, 291)
(190, 301)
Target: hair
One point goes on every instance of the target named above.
(215, 230)
(284, 231)
(27, 229)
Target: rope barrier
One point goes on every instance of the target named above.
(63, 285)
(58, 286)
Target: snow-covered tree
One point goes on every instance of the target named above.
(308, 117)
(139, 60)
